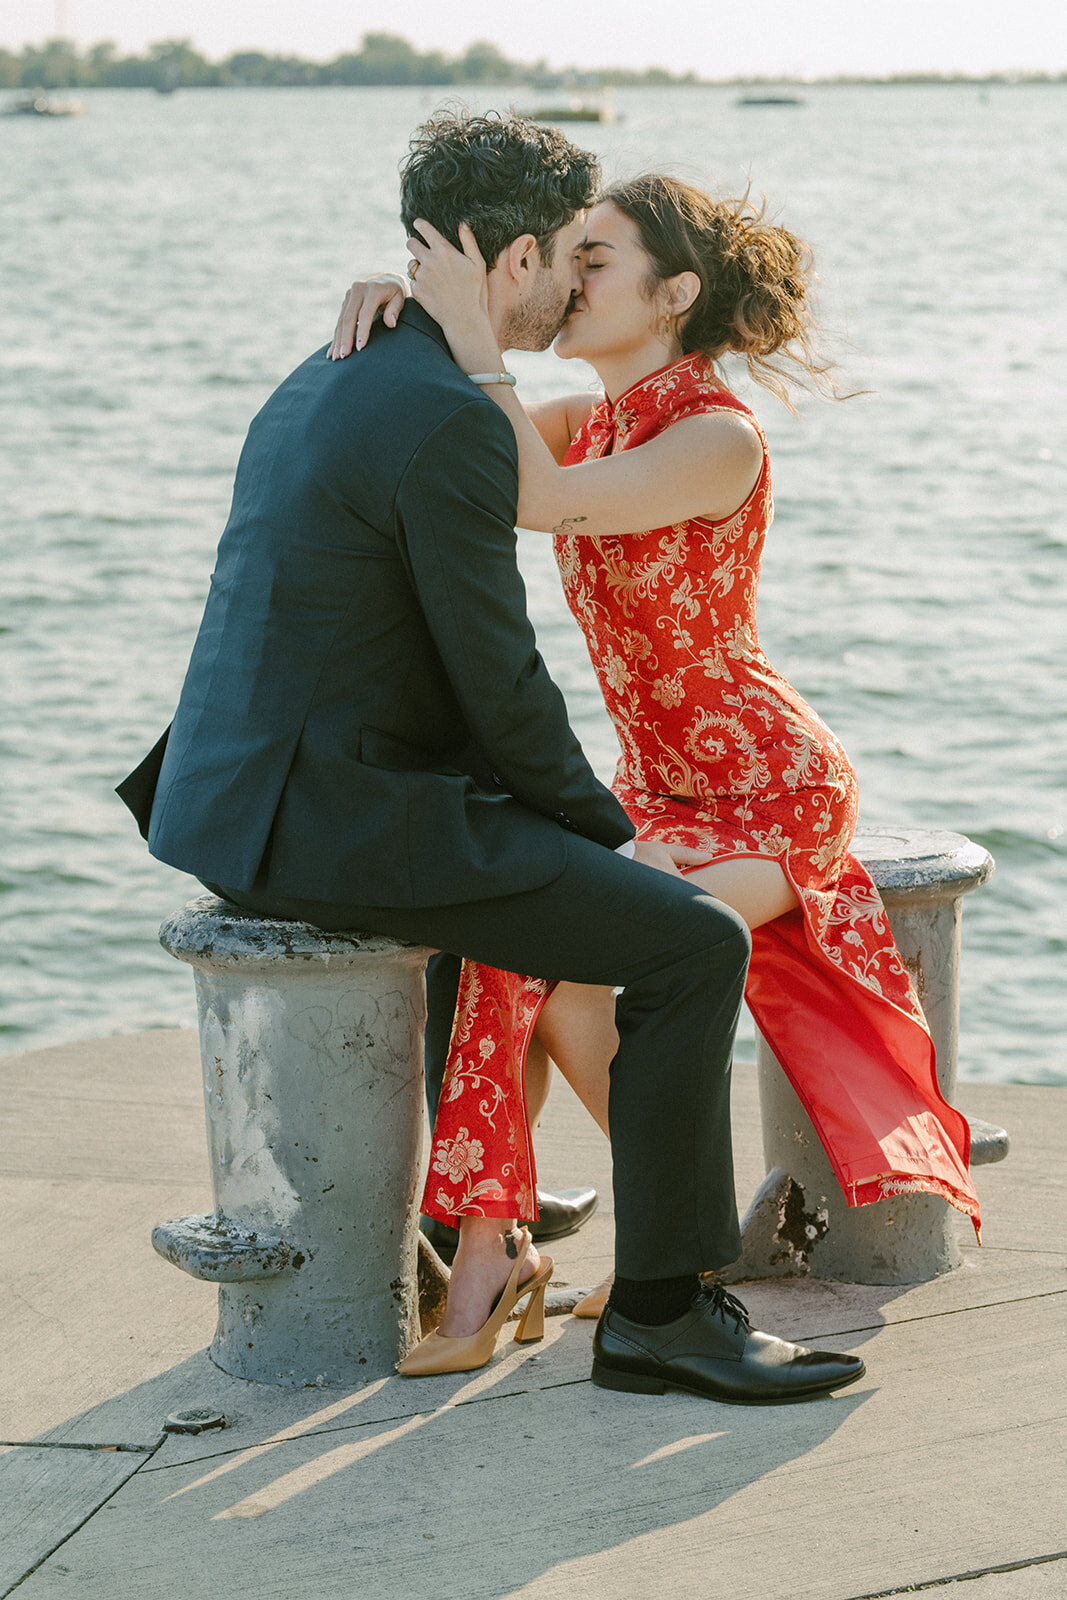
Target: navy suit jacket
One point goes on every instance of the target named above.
(366, 719)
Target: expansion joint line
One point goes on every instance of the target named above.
(931, 1316)
(146, 1452)
(963, 1577)
(67, 1444)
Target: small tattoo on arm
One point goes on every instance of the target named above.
(567, 525)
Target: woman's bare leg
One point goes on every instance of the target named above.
(577, 1029)
(484, 1259)
(538, 1078)
(756, 888)
(576, 1026)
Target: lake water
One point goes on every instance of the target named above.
(166, 261)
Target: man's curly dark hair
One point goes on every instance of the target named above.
(502, 174)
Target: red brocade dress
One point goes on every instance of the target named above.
(721, 753)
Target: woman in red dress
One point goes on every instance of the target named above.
(719, 752)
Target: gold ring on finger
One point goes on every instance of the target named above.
(413, 269)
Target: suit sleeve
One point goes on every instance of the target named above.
(455, 524)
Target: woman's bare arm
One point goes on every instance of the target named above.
(704, 466)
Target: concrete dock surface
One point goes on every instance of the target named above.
(944, 1467)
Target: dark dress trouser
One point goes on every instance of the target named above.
(680, 957)
(442, 992)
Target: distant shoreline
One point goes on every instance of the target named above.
(386, 60)
(591, 92)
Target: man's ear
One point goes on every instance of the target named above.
(520, 260)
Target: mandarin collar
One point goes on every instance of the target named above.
(611, 406)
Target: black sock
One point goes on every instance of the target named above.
(653, 1301)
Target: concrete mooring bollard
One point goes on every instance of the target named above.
(312, 1054)
(798, 1222)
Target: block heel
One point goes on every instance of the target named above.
(630, 1382)
(531, 1326)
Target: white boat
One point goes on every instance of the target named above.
(39, 104)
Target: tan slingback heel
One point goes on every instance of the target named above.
(438, 1353)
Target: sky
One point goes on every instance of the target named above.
(709, 37)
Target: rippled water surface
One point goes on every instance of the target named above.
(167, 260)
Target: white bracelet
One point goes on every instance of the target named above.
(493, 377)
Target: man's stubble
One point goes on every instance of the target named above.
(534, 324)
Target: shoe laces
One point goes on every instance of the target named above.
(724, 1304)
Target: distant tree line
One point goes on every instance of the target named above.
(383, 58)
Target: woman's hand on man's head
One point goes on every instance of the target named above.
(450, 284)
(366, 298)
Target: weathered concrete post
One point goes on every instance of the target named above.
(312, 1055)
(799, 1222)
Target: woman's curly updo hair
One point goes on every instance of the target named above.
(503, 174)
(755, 278)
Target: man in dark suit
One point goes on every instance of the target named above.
(367, 737)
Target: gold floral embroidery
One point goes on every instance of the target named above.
(717, 751)
(669, 691)
(455, 1158)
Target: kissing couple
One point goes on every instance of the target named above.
(368, 738)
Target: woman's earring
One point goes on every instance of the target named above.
(667, 328)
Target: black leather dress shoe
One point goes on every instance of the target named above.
(712, 1351)
(561, 1215)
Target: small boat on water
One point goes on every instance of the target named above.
(770, 100)
(573, 111)
(39, 104)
